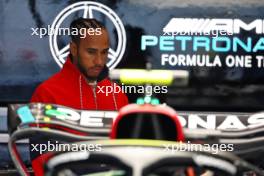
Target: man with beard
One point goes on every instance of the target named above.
(83, 80)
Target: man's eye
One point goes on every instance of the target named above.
(91, 51)
(105, 52)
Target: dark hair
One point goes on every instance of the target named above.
(86, 23)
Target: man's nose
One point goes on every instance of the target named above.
(98, 60)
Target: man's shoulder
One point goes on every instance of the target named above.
(46, 91)
(52, 84)
(52, 81)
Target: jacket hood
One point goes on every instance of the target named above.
(104, 74)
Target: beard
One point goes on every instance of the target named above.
(84, 71)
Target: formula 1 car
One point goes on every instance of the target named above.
(146, 121)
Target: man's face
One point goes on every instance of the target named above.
(90, 55)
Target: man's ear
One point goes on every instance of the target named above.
(73, 49)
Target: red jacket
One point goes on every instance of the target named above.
(69, 88)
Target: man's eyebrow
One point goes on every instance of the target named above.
(106, 49)
(91, 49)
